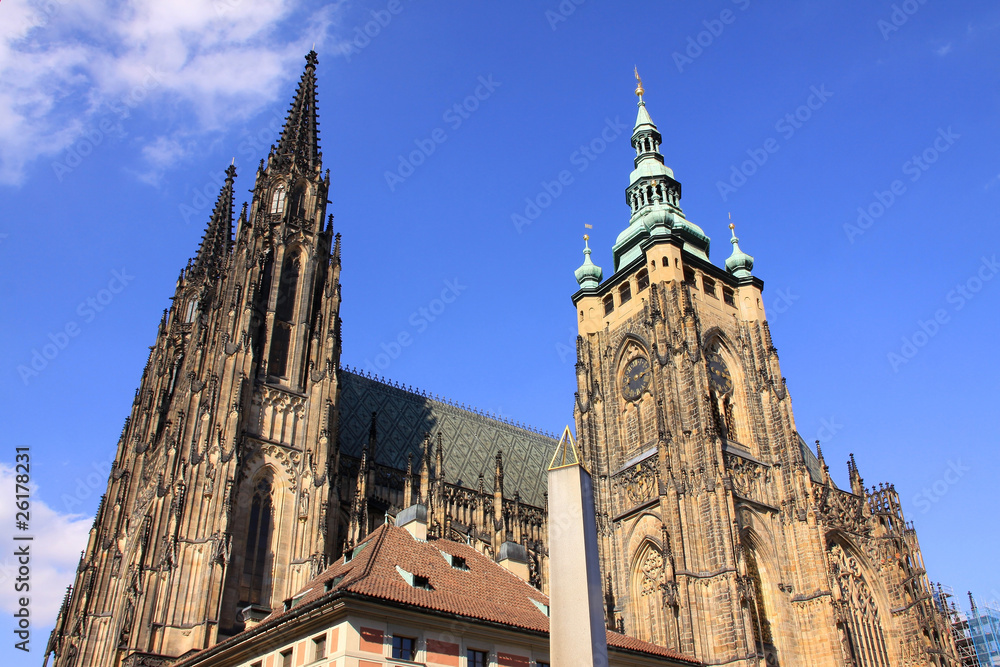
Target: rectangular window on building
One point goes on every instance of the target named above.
(609, 304)
(285, 658)
(319, 647)
(477, 658)
(729, 297)
(404, 648)
(689, 276)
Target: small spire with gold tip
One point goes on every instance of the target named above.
(739, 263)
(589, 275)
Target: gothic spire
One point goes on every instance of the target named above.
(299, 142)
(218, 239)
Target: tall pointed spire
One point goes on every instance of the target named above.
(218, 239)
(299, 142)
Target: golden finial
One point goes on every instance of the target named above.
(731, 225)
(586, 237)
(639, 90)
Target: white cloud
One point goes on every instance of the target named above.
(55, 553)
(68, 65)
(993, 182)
(944, 50)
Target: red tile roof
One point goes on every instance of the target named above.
(484, 591)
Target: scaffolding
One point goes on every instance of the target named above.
(976, 632)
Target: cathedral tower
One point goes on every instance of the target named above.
(217, 500)
(721, 534)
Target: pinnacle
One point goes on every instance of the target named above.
(216, 243)
(299, 142)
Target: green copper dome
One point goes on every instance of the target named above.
(589, 275)
(739, 263)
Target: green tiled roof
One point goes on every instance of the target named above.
(471, 438)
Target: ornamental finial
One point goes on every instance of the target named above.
(639, 90)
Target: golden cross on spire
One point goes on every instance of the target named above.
(639, 90)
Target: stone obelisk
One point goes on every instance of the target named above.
(577, 632)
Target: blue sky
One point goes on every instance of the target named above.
(870, 210)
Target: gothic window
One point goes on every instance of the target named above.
(284, 314)
(299, 201)
(278, 200)
(649, 594)
(192, 307)
(609, 304)
(860, 621)
(258, 545)
(753, 594)
(625, 292)
(642, 280)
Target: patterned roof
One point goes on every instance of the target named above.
(471, 439)
(484, 590)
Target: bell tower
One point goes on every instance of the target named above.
(720, 533)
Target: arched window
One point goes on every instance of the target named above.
(278, 200)
(192, 307)
(284, 315)
(625, 292)
(609, 304)
(860, 621)
(650, 591)
(753, 598)
(258, 545)
(642, 280)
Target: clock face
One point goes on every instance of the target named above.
(718, 374)
(635, 378)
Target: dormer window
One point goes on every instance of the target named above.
(625, 292)
(642, 280)
(609, 304)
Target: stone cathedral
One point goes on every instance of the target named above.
(252, 459)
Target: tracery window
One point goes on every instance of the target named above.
(863, 637)
(649, 602)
